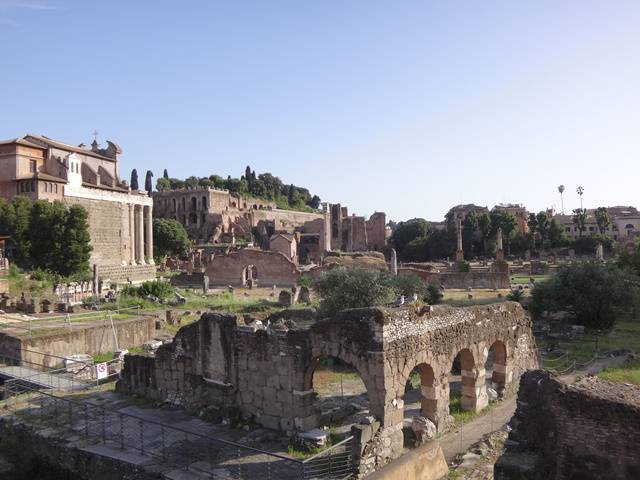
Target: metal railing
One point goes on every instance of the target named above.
(336, 462)
(66, 321)
(173, 447)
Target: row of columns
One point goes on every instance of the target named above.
(141, 227)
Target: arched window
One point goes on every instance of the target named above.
(173, 200)
(204, 203)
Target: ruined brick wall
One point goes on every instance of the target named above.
(376, 234)
(588, 431)
(285, 219)
(461, 280)
(273, 268)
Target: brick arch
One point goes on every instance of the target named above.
(500, 365)
(473, 387)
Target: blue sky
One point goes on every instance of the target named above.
(408, 107)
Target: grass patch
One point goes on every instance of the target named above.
(526, 279)
(629, 372)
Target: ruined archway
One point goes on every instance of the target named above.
(420, 393)
(249, 274)
(464, 392)
(496, 367)
(340, 397)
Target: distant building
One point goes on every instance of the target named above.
(625, 221)
(287, 244)
(517, 210)
(120, 220)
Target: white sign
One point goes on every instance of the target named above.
(102, 370)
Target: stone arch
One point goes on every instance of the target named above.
(173, 201)
(194, 203)
(184, 204)
(473, 387)
(309, 403)
(497, 360)
(204, 202)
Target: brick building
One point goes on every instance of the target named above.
(120, 220)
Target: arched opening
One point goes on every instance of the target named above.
(496, 369)
(194, 203)
(173, 202)
(340, 397)
(462, 385)
(193, 218)
(204, 203)
(419, 393)
(249, 275)
(184, 204)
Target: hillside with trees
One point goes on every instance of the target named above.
(264, 186)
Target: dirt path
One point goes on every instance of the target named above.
(460, 439)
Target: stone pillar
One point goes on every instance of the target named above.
(132, 235)
(459, 252)
(139, 235)
(474, 389)
(394, 262)
(149, 233)
(499, 250)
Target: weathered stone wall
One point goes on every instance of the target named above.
(108, 222)
(588, 431)
(461, 280)
(91, 340)
(273, 268)
(376, 231)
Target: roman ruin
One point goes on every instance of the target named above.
(265, 373)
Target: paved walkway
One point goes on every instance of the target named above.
(30, 376)
(459, 440)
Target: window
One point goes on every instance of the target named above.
(32, 166)
(46, 187)
(56, 187)
(592, 229)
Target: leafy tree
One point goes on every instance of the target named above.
(314, 202)
(148, 182)
(506, 221)
(191, 182)
(165, 174)
(532, 223)
(342, 288)
(603, 219)
(217, 181)
(629, 258)
(484, 226)
(407, 285)
(249, 178)
(291, 195)
(407, 231)
(556, 234)
(163, 184)
(589, 292)
(176, 184)
(580, 219)
(169, 238)
(134, 179)
(205, 182)
(469, 228)
(434, 295)
(75, 256)
(543, 226)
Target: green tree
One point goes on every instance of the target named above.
(434, 295)
(165, 174)
(603, 219)
(169, 238)
(191, 182)
(406, 232)
(580, 219)
(134, 179)
(543, 227)
(469, 229)
(163, 184)
(590, 292)
(508, 223)
(407, 285)
(148, 182)
(532, 223)
(342, 288)
(484, 226)
(556, 234)
(75, 243)
(205, 182)
(314, 202)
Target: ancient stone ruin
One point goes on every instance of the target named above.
(266, 373)
(589, 430)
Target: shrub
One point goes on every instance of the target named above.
(590, 292)
(516, 295)
(407, 285)
(342, 288)
(464, 267)
(157, 289)
(433, 295)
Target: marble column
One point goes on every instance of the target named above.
(139, 235)
(149, 234)
(132, 235)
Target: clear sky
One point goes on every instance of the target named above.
(408, 107)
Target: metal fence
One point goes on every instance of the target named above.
(173, 447)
